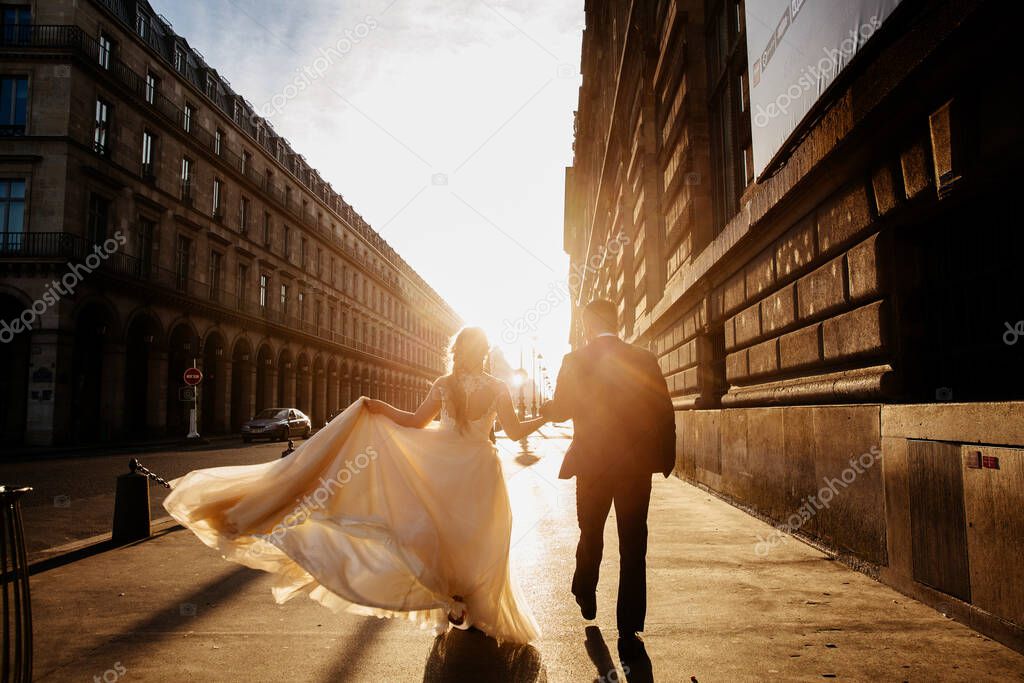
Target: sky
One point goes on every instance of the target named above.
(447, 124)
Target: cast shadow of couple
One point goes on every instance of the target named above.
(473, 656)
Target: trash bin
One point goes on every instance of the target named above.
(17, 602)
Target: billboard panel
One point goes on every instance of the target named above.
(795, 50)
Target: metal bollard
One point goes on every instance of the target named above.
(131, 508)
(17, 630)
(131, 503)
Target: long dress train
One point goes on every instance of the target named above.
(372, 518)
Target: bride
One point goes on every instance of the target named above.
(383, 512)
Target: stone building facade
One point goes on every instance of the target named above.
(152, 221)
(860, 298)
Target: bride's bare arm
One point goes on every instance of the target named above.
(423, 416)
(514, 429)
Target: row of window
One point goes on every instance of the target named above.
(359, 286)
(13, 119)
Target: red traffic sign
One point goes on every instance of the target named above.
(193, 376)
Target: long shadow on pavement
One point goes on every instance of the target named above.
(632, 654)
(167, 621)
(473, 656)
(356, 647)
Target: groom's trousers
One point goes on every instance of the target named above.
(630, 493)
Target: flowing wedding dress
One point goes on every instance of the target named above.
(374, 518)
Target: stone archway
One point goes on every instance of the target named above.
(242, 398)
(285, 380)
(90, 416)
(144, 374)
(13, 374)
(182, 353)
(266, 380)
(213, 390)
(304, 385)
(333, 388)
(318, 404)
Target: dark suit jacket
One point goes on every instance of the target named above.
(622, 414)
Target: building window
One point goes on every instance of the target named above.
(16, 21)
(216, 261)
(106, 50)
(186, 178)
(211, 86)
(142, 24)
(287, 242)
(264, 289)
(180, 61)
(214, 276)
(246, 162)
(148, 142)
(13, 105)
(266, 228)
(242, 285)
(218, 141)
(186, 118)
(731, 150)
(152, 85)
(243, 215)
(302, 306)
(102, 127)
(218, 196)
(12, 213)
(98, 219)
(147, 229)
(182, 261)
(284, 297)
(303, 244)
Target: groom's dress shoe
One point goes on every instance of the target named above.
(588, 607)
(631, 646)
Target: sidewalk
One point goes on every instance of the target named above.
(169, 609)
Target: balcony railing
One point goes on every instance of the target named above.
(41, 245)
(65, 246)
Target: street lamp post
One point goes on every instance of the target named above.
(541, 376)
(520, 381)
(533, 382)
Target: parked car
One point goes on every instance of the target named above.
(277, 424)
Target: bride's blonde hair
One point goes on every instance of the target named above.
(469, 350)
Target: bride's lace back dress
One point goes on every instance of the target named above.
(375, 518)
(479, 396)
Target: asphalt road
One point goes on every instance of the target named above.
(73, 497)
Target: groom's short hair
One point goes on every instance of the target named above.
(602, 313)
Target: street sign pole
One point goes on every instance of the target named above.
(193, 376)
(192, 426)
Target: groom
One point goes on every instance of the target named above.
(624, 431)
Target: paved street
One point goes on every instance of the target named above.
(73, 496)
(171, 609)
